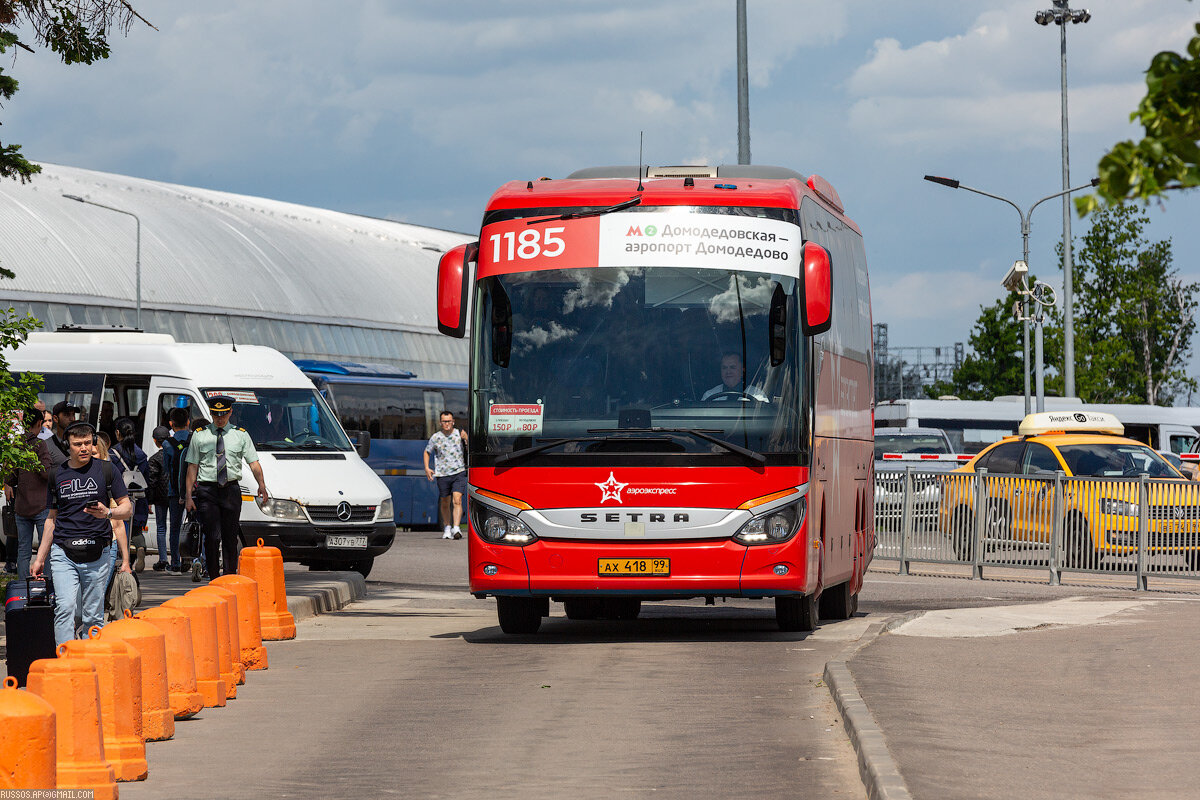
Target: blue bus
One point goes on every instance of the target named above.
(399, 412)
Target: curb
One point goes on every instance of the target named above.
(314, 597)
(880, 775)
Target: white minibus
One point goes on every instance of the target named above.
(327, 510)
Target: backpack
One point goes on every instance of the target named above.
(177, 475)
(135, 481)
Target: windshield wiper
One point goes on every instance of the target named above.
(596, 212)
(757, 458)
(519, 455)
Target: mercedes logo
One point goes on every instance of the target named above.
(344, 511)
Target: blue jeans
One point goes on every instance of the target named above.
(25, 526)
(78, 589)
(175, 507)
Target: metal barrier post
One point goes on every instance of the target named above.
(1056, 530)
(977, 533)
(906, 519)
(1143, 582)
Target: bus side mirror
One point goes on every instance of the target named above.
(777, 325)
(453, 285)
(362, 443)
(818, 289)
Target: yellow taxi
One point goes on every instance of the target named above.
(1100, 503)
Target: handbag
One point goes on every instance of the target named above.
(189, 540)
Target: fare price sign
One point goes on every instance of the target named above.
(673, 238)
(515, 419)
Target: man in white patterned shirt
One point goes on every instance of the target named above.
(450, 472)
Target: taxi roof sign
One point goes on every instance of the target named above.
(1070, 422)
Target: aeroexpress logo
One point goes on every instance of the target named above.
(611, 489)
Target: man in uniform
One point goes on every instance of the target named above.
(211, 490)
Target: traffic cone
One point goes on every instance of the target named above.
(265, 565)
(203, 616)
(254, 655)
(184, 697)
(158, 720)
(119, 676)
(70, 685)
(229, 601)
(27, 739)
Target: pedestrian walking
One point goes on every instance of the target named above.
(28, 492)
(156, 494)
(450, 471)
(214, 458)
(134, 466)
(78, 536)
(174, 449)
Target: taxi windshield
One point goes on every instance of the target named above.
(1114, 460)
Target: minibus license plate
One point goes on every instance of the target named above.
(346, 541)
(653, 567)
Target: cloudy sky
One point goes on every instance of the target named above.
(417, 111)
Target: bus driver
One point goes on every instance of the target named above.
(732, 385)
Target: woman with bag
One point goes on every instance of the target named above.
(134, 465)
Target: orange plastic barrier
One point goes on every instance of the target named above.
(229, 601)
(119, 675)
(27, 739)
(158, 720)
(265, 565)
(203, 616)
(185, 699)
(70, 686)
(224, 646)
(254, 655)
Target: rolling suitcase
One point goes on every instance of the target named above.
(28, 624)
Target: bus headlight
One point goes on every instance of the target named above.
(385, 511)
(281, 509)
(498, 528)
(774, 527)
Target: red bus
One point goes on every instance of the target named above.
(670, 393)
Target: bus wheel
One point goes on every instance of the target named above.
(622, 608)
(838, 602)
(582, 607)
(363, 565)
(519, 614)
(796, 613)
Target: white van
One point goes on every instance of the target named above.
(328, 509)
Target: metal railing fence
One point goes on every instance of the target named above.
(1125, 526)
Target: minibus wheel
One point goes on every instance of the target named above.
(363, 565)
(796, 613)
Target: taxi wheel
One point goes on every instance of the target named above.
(962, 534)
(796, 613)
(519, 614)
(1077, 542)
(997, 524)
(1193, 560)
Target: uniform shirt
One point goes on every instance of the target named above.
(447, 450)
(203, 451)
(71, 490)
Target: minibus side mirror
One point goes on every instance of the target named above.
(818, 289)
(453, 286)
(362, 443)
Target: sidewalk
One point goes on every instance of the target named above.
(1089, 697)
(308, 593)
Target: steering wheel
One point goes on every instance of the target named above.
(729, 394)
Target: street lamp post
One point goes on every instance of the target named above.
(1060, 15)
(137, 262)
(1025, 217)
(743, 87)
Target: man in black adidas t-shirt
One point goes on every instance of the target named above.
(78, 534)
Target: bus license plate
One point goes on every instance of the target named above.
(346, 541)
(653, 567)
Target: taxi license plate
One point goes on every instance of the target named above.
(1178, 526)
(652, 567)
(346, 541)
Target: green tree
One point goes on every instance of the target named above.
(15, 394)
(1134, 315)
(1168, 155)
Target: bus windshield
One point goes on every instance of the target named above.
(285, 419)
(634, 364)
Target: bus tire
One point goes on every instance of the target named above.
(624, 608)
(519, 614)
(796, 613)
(838, 602)
(582, 607)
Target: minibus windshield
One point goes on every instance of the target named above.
(285, 419)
